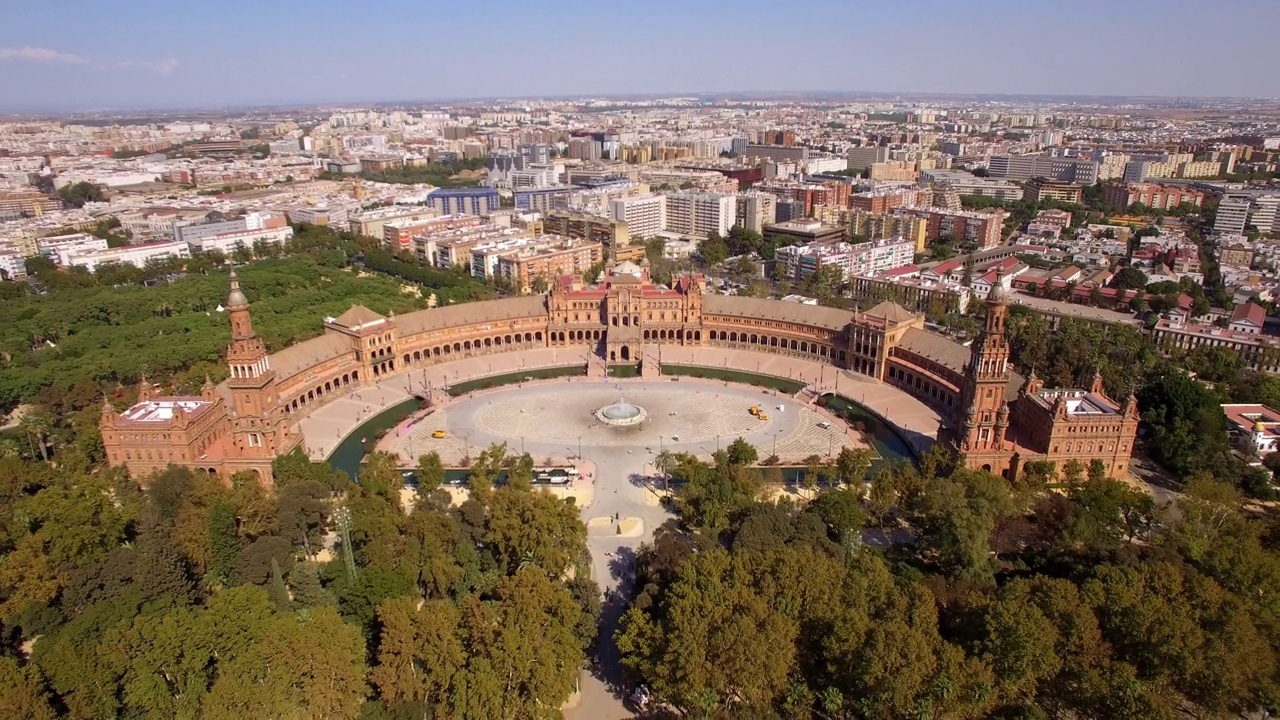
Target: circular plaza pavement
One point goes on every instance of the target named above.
(551, 418)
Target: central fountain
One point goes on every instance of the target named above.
(621, 414)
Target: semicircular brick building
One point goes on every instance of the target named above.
(994, 417)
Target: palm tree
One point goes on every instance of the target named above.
(663, 462)
(36, 424)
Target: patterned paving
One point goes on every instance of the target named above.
(687, 415)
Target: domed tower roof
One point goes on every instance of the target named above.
(236, 299)
(999, 294)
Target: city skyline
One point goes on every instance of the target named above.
(164, 57)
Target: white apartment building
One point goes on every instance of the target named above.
(136, 255)
(228, 241)
(819, 165)
(533, 178)
(61, 247)
(1266, 213)
(1233, 214)
(869, 258)
(699, 214)
(12, 265)
(645, 216)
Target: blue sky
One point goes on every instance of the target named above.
(83, 54)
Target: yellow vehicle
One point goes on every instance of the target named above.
(437, 434)
(762, 416)
(754, 409)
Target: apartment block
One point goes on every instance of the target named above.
(136, 255)
(13, 266)
(539, 263)
(968, 184)
(1061, 169)
(754, 210)
(912, 292)
(895, 171)
(61, 247)
(984, 230)
(397, 235)
(471, 201)
(228, 241)
(1040, 189)
(867, 258)
(861, 158)
(29, 202)
(610, 233)
(369, 223)
(803, 232)
(878, 226)
(453, 248)
(882, 200)
(1233, 214)
(1154, 195)
(543, 199)
(700, 214)
(645, 216)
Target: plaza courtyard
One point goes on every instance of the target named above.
(551, 419)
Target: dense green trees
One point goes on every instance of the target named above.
(77, 194)
(170, 333)
(995, 601)
(197, 598)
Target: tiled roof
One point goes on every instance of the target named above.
(815, 315)
(950, 354)
(308, 353)
(357, 316)
(891, 313)
(494, 311)
(940, 349)
(1252, 312)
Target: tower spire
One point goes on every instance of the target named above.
(236, 300)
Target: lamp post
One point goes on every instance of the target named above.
(579, 447)
(775, 443)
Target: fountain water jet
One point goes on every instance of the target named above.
(621, 414)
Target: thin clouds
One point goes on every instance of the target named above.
(42, 55)
(49, 56)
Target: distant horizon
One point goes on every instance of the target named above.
(143, 55)
(852, 96)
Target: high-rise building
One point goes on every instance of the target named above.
(755, 210)
(645, 215)
(699, 214)
(1266, 213)
(861, 158)
(1233, 214)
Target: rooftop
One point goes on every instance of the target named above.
(163, 409)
